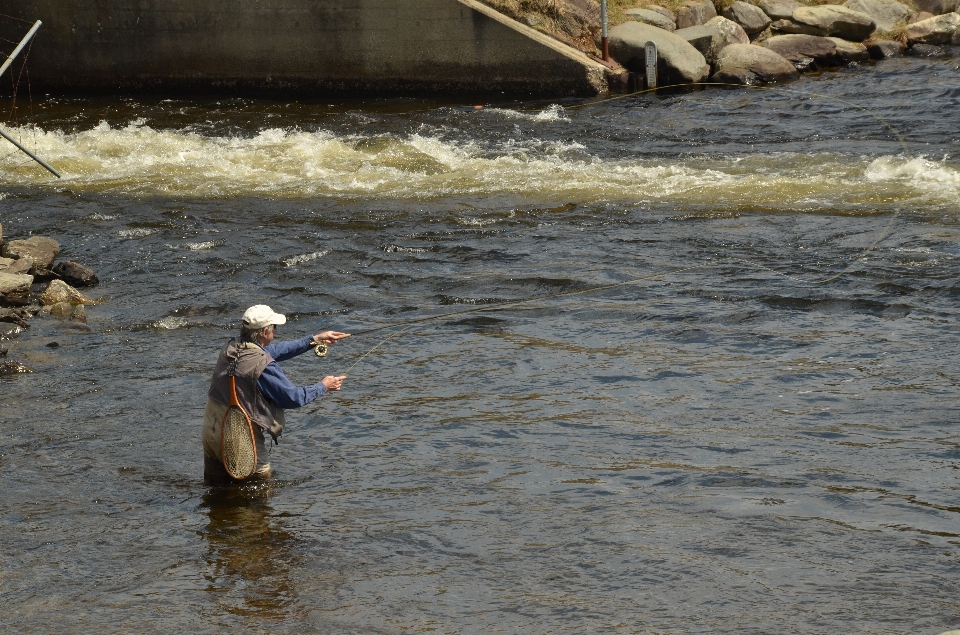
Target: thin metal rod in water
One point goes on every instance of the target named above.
(20, 46)
(30, 154)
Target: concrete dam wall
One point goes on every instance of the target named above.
(305, 47)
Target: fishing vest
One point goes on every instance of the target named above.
(253, 360)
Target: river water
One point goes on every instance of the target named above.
(736, 440)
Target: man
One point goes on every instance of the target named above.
(262, 389)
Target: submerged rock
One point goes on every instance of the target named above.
(678, 61)
(75, 274)
(752, 65)
(653, 18)
(886, 13)
(928, 50)
(883, 49)
(937, 30)
(695, 13)
(15, 316)
(59, 291)
(43, 250)
(837, 21)
(752, 19)
(13, 368)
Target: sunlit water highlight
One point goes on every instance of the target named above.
(723, 450)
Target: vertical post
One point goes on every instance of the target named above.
(20, 46)
(604, 40)
(650, 57)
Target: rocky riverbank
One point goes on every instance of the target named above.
(755, 42)
(31, 286)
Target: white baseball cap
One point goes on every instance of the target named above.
(260, 316)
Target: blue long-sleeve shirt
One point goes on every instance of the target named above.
(274, 384)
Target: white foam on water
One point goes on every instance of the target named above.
(553, 112)
(293, 261)
(134, 233)
(136, 160)
(96, 216)
(170, 323)
(210, 244)
(919, 172)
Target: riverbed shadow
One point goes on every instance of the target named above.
(249, 555)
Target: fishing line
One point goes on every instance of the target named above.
(730, 259)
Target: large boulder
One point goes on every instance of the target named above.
(884, 49)
(43, 250)
(789, 27)
(837, 20)
(75, 274)
(848, 52)
(936, 30)
(752, 65)
(707, 39)
(694, 13)
(15, 284)
(804, 51)
(678, 63)
(886, 13)
(732, 32)
(59, 291)
(937, 7)
(653, 18)
(24, 264)
(778, 9)
(751, 18)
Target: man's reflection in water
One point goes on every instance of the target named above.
(250, 555)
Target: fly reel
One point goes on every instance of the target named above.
(320, 349)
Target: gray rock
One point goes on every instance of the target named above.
(706, 39)
(790, 27)
(778, 9)
(665, 12)
(61, 309)
(1, 233)
(936, 30)
(43, 250)
(802, 49)
(678, 61)
(751, 18)
(75, 274)
(936, 7)
(849, 52)
(913, 17)
(883, 49)
(23, 265)
(15, 284)
(886, 13)
(646, 16)
(752, 65)
(6, 262)
(732, 32)
(695, 13)
(837, 21)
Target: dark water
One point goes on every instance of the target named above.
(719, 450)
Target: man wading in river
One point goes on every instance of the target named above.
(263, 391)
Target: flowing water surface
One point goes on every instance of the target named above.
(755, 433)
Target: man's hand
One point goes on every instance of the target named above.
(329, 337)
(333, 383)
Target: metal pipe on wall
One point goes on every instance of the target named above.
(604, 40)
(20, 46)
